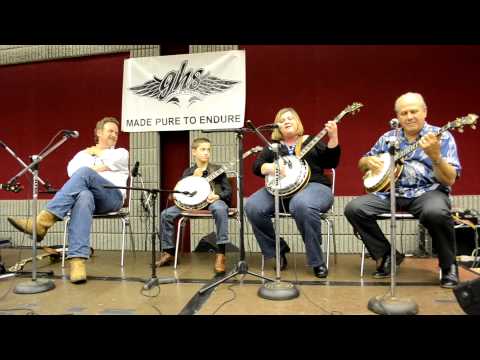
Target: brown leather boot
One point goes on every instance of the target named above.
(164, 260)
(78, 271)
(45, 220)
(219, 267)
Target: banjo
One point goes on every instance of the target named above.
(380, 179)
(53, 252)
(201, 185)
(297, 171)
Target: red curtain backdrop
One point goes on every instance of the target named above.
(320, 81)
(39, 99)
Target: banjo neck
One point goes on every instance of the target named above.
(312, 143)
(322, 133)
(414, 146)
(224, 168)
(218, 172)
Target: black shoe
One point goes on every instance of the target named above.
(283, 263)
(385, 266)
(449, 277)
(320, 271)
(284, 248)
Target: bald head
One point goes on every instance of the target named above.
(411, 112)
(410, 98)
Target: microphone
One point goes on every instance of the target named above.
(71, 133)
(187, 193)
(269, 126)
(393, 142)
(135, 169)
(394, 123)
(13, 187)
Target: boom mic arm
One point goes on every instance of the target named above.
(71, 133)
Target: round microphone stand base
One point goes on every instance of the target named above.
(34, 287)
(278, 290)
(392, 306)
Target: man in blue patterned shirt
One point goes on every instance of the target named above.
(422, 188)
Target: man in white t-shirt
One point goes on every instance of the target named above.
(84, 195)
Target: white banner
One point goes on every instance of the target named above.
(184, 92)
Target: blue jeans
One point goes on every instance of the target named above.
(219, 212)
(82, 196)
(306, 207)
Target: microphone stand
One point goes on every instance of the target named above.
(154, 280)
(36, 285)
(242, 266)
(390, 304)
(46, 184)
(277, 290)
(145, 202)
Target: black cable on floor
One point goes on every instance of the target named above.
(333, 312)
(156, 308)
(29, 311)
(144, 292)
(229, 300)
(12, 279)
(298, 283)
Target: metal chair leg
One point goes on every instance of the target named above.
(122, 259)
(182, 238)
(334, 242)
(330, 238)
(180, 229)
(146, 243)
(363, 261)
(132, 240)
(402, 247)
(328, 243)
(67, 219)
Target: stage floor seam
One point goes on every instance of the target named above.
(252, 282)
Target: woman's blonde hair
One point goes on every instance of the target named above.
(276, 134)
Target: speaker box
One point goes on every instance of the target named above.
(468, 296)
(465, 239)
